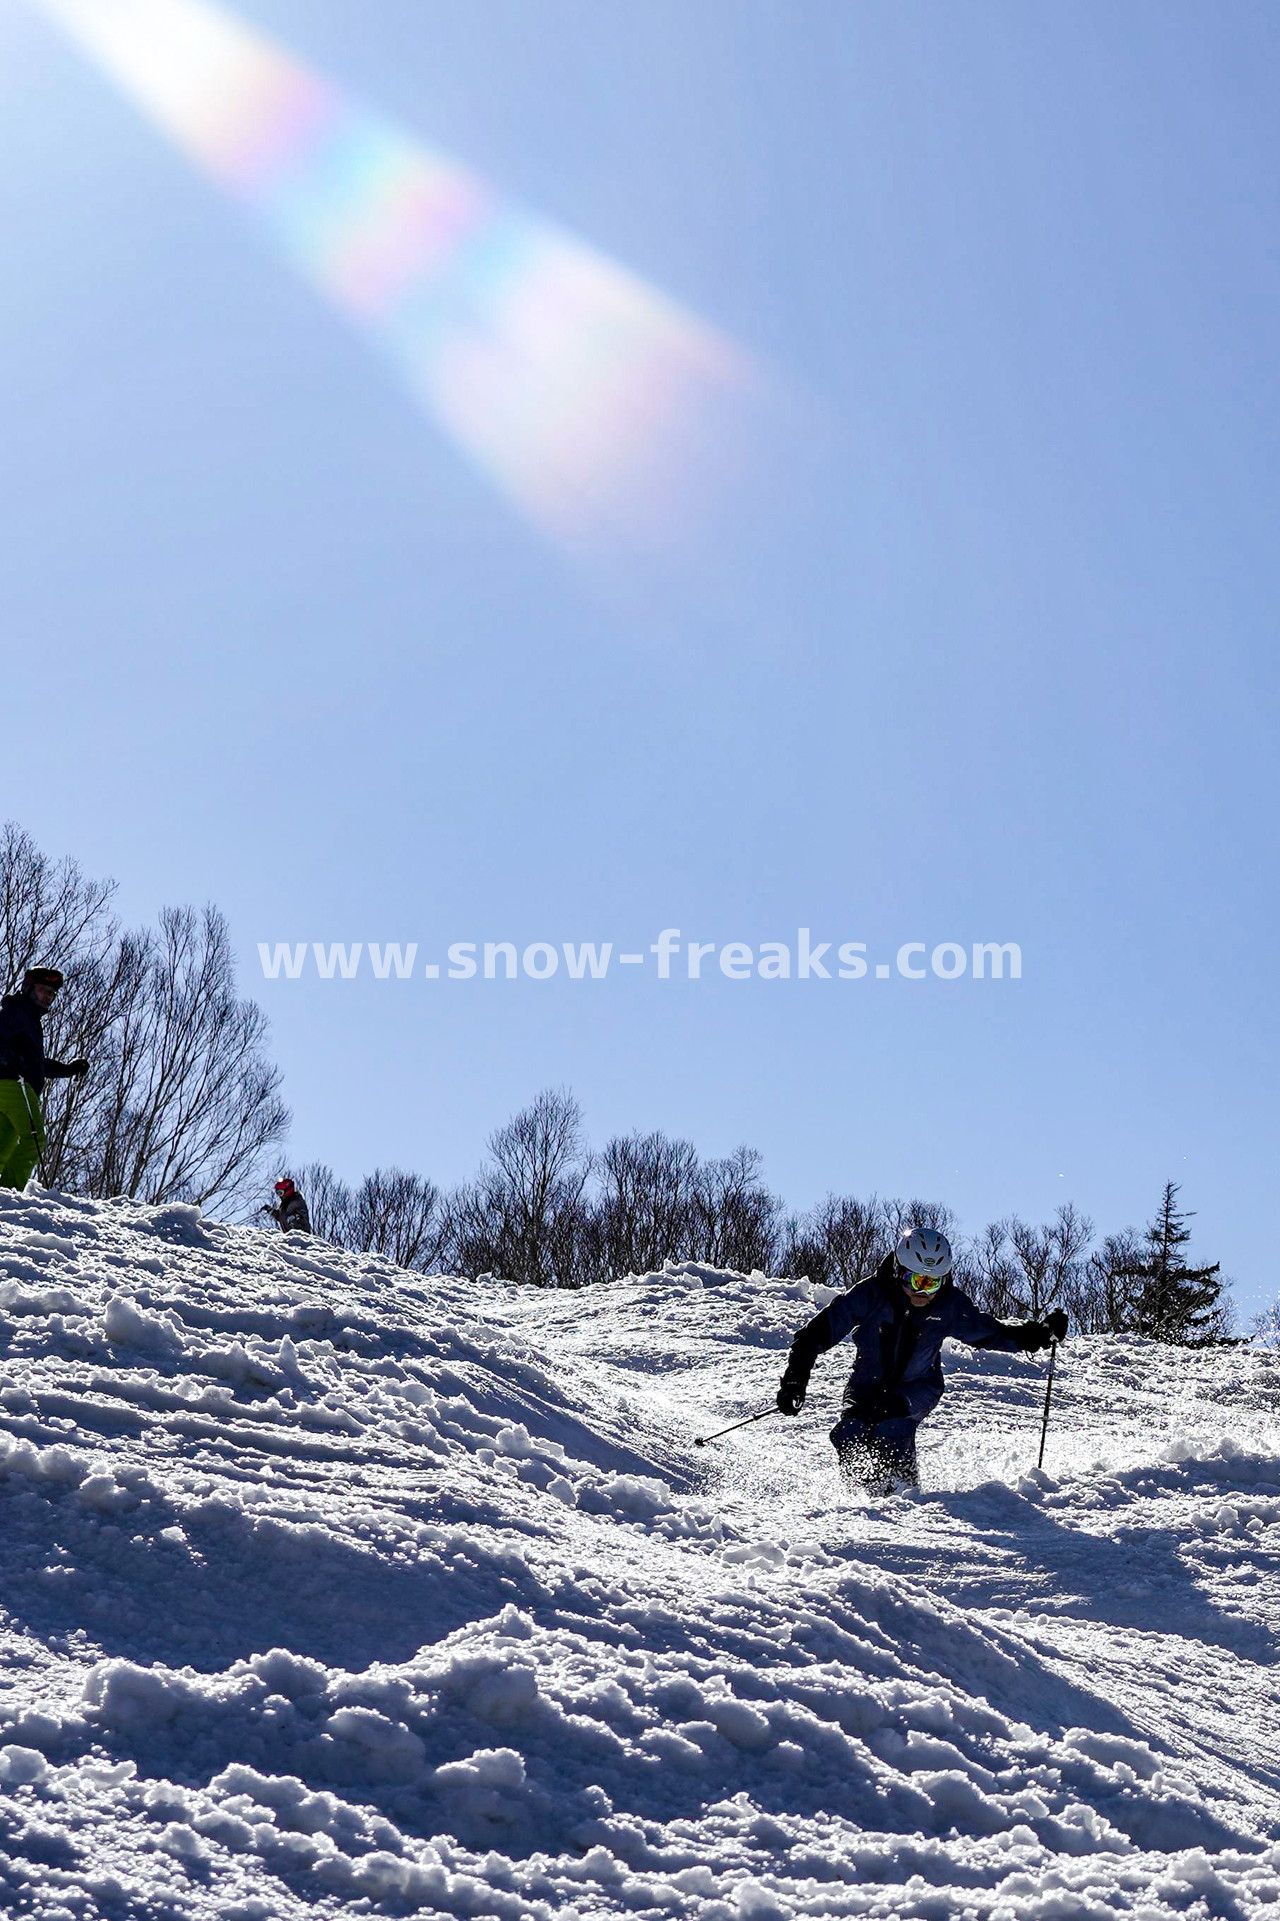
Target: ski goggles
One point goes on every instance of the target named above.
(924, 1284)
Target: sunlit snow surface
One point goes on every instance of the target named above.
(330, 1590)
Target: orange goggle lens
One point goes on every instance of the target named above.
(924, 1283)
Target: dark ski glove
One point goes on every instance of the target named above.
(1031, 1336)
(78, 1067)
(1056, 1322)
(791, 1393)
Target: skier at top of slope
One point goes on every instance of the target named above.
(24, 1069)
(899, 1317)
(290, 1215)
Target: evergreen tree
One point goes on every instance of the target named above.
(1168, 1300)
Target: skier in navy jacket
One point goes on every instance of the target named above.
(899, 1317)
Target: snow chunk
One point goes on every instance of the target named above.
(20, 1765)
(632, 1494)
(53, 1464)
(507, 1697)
(179, 1223)
(740, 1724)
(288, 1674)
(487, 1767)
(754, 1902)
(183, 1842)
(130, 1697)
(387, 1750)
(124, 1321)
(16, 1298)
(1111, 1749)
(242, 1366)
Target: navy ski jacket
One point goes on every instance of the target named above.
(898, 1365)
(22, 1055)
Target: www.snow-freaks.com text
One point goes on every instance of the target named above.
(670, 957)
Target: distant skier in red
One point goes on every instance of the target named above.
(899, 1317)
(290, 1215)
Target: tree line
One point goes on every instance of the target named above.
(183, 1104)
(547, 1212)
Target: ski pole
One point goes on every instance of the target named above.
(1048, 1395)
(701, 1440)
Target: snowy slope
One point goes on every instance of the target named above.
(327, 1589)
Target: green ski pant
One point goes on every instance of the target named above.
(21, 1132)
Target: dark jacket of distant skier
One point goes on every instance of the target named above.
(898, 1331)
(291, 1215)
(24, 1069)
(22, 1055)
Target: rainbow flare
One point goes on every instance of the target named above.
(582, 392)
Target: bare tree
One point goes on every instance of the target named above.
(84, 1020)
(1264, 1328)
(902, 1216)
(989, 1273)
(735, 1219)
(1102, 1306)
(183, 1103)
(524, 1217)
(396, 1214)
(643, 1207)
(1033, 1255)
(1069, 1273)
(51, 914)
(1050, 1260)
(837, 1242)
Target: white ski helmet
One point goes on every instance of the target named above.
(922, 1250)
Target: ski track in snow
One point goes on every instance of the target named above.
(329, 1589)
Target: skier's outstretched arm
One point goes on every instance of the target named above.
(814, 1338)
(977, 1328)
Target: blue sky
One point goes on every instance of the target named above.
(1002, 669)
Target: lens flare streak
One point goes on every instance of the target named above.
(588, 397)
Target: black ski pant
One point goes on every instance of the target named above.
(871, 1452)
